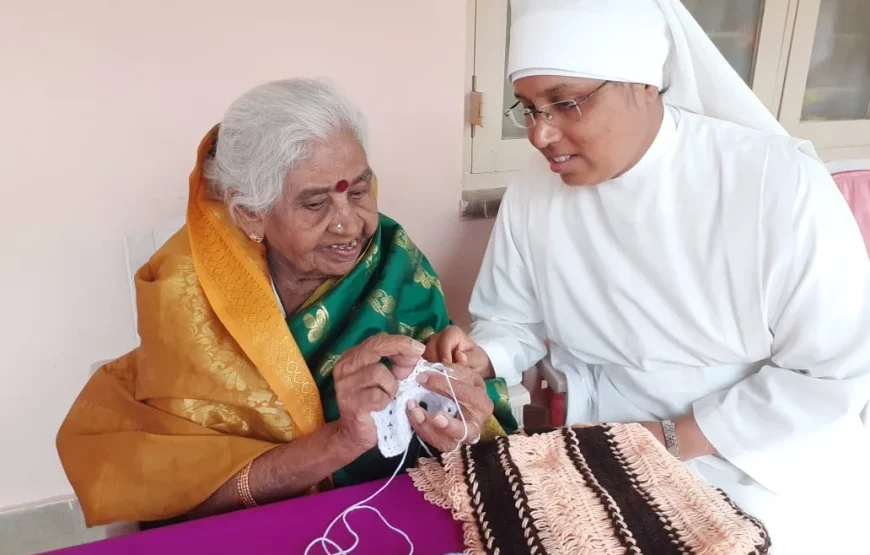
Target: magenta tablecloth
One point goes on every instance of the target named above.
(287, 528)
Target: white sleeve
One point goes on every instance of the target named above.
(800, 413)
(506, 313)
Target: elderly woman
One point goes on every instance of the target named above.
(266, 323)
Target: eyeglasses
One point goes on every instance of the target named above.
(558, 112)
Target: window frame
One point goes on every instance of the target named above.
(831, 138)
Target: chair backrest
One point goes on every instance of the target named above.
(138, 249)
(853, 179)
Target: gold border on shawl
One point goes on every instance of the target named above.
(234, 275)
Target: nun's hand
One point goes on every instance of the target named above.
(691, 440)
(453, 346)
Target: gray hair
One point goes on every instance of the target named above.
(268, 132)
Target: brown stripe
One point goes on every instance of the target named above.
(668, 524)
(521, 500)
(635, 521)
(499, 523)
(610, 505)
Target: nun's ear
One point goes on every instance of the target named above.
(651, 92)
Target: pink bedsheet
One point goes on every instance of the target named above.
(855, 186)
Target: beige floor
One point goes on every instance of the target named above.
(47, 527)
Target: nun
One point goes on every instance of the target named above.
(692, 267)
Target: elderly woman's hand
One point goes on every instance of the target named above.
(445, 432)
(363, 384)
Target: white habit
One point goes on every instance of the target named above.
(723, 275)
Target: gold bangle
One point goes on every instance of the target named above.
(243, 486)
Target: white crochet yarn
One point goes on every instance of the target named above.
(388, 424)
(394, 429)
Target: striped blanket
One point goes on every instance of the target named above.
(607, 489)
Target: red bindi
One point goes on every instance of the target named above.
(342, 186)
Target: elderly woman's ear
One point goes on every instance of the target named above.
(253, 225)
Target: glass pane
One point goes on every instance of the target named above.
(733, 26)
(508, 129)
(838, 85)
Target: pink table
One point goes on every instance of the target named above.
(287, 528)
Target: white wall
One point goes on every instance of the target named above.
(102, 105)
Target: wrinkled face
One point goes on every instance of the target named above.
(321, 224)
(605, 139)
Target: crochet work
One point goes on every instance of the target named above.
(608, 489)
(394, 430)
